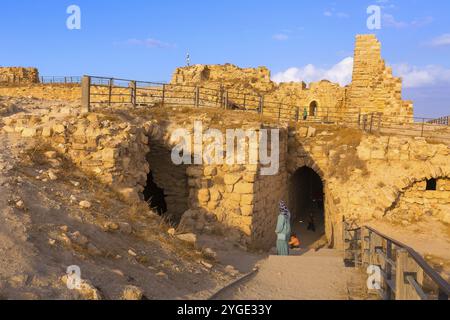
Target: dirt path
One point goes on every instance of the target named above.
(309, 275)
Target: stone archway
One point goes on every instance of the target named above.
(166, 190)
(313, 108)
(306, 202)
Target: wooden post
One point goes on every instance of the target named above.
(388, 269)
(406, 266)
(163, 98)
(261, 105)
(423, 127)
(197, 96)
(371, 122)
(365, 247)
(221, 97)
(379, 122)
(86, 94)
(110, 91)
(133, 93)
(226, 100)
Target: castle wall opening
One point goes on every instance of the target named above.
(313, 109)
(306, 202)
(167, 189)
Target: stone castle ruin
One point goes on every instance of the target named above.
(326, 170)
(373, 90)
(19, 75)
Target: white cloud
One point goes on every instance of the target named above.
(390, 21)
(339, 73)
(333, 13)
(417, 77)
(443, 40)
(148, 43)
(281, 37)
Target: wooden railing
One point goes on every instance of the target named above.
(405, 275)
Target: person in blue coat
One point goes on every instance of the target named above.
(283, 230)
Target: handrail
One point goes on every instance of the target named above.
(442, 284)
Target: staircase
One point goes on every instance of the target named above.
(305, 275)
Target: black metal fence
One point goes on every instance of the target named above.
(60, 80)
(442, 121)
(405, 275)
(14, 80)
(104, 91)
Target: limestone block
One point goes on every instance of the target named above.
(247, 210)
(109, 154)
(232, 178)
(47, 131)
(59, 129)
(244, 188)
(29, 132)
(247, 199)
(8, 129)
(203, 195)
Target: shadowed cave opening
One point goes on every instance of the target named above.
(306, 202)
(155, 196)
(167, 190)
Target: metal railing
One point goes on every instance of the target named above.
(15, 80)
(104, 91)
(60, 79)
(405, 274)
(443, 121)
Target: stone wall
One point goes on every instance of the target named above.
(45, 92)
(19, 75)
(365, 176)
(417, 202)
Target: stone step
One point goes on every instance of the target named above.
(313, 253)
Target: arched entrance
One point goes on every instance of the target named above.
(313, 109)
(166, 190)
(306, 202)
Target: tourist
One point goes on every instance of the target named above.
(283, 230)
(305, 114)
(311, 223)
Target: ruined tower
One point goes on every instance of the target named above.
(374, 89)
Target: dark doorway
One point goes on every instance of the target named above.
(431, 185)
(313, 109)
(155, 196)
(306, 201)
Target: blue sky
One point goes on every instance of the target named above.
(295, 39)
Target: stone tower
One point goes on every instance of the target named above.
(374, 89)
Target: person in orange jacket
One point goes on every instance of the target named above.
(294, 243)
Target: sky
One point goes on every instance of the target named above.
(296, 39)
